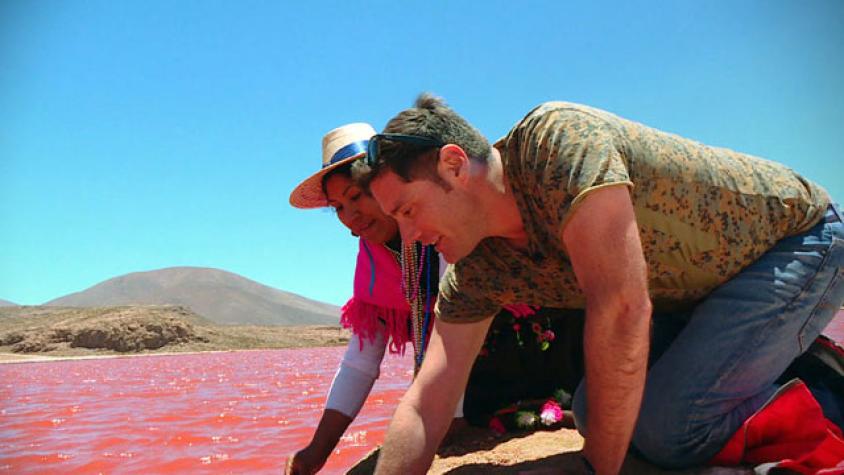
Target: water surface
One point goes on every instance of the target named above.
(236, 412)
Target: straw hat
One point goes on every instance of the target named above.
(340, 146)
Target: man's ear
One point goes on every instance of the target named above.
(453, 163)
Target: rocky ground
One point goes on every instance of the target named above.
(35, 332)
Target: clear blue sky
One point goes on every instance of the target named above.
(137, 135)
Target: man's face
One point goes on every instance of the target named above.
(426, 212)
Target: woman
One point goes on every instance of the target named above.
(378, 313)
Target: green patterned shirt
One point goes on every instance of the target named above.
(704, 213)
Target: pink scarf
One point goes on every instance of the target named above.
(378, 297)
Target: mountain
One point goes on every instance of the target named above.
(6, 303)
(220, 296)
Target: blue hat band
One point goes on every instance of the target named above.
(350, 150)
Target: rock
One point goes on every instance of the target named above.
(138, 334)
(120, 329)
(11, 338)
(33, 345)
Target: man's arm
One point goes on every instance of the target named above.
(602, 240)
(425, 411)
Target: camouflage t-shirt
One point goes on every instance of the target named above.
(704, 213)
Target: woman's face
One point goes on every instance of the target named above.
(359, 211)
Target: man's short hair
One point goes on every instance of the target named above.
(430, 117)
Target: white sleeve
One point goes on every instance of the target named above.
(357, 373)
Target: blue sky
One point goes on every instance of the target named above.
(138, 135)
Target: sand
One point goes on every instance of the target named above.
(476, 450)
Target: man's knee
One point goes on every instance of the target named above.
(660, 447)
(666, 436)
(663, 433)
(656, 432)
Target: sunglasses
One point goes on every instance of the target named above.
(374, 144)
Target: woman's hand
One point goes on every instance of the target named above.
(305, 462)
(310, 459)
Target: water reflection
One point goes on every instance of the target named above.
(214, 412)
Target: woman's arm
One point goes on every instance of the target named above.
(357, 373)
(349, 389)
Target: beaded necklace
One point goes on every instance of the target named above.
(413, 261)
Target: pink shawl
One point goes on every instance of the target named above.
(378, 296)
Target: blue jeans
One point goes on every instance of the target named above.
(716, 365)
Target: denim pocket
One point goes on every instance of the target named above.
(831, 296)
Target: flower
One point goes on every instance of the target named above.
(497, 426)
(516, 327)
(525, 419)
(549, 335)
(551, 413)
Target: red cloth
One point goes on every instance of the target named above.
(791, 430)
(826, 459)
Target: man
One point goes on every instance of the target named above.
(578, 208)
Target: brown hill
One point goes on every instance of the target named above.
(220, 296)
(6, 303)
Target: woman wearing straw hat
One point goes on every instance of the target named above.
(383, 314)
(395, 287)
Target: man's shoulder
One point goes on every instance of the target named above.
(550, 119)
(573, 108)
(556, 114)
(473, 269)
(467, 286)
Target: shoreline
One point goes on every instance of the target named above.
(13, 358)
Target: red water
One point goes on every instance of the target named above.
(239, 412)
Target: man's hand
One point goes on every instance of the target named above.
(425, 411)
(602, 240)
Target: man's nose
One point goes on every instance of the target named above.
(409, 232)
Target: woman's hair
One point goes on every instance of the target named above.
(347, 170)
